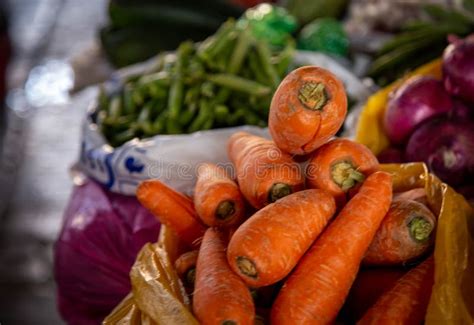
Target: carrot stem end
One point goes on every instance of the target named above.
(247, 267)
(279, 190)
(420, 229)
(225, 210)
(313, 95)
(191, 277)
(346, 176)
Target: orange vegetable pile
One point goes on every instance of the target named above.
(264, 248)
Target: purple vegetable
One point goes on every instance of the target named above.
(447, 147)
(462, 111)
(417, 100)
(390, 155)
(458, 68)
(100, 238)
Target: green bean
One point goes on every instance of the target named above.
(264, 55)
(173, 127)
(115, 107)
(221, 113)
(160, 123)
(239, 84)
(175, 98)
(138, 96)
(147, 128)
(145, 113)
(120, 138)
(234, 118)
(241, 49)
(192, 95)
(208, 89)
(128, 102)
(103, 99)
(208, 124)
(205, 113)
(213, 44)
(256, 69)
(285, 57)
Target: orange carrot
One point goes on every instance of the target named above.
(315, 291)
(217, 197)
(264, 173)
(339, 166)
(405, 234)
(220, 296)
(268, 245)
(407, 301)
(416, 194)
(307, 109)
(369, 285)
(172, 209)
(185, 266)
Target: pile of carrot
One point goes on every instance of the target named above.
(304, 239)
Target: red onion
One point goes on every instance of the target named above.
(390, 155)
(447, 147)
(417, 100)
(458, 68)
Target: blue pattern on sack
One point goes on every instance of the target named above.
(134, 165)
(108, 166)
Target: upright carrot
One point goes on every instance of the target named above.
(217, 197)
(405, 234)
(172, 209)
(264, 173)
(317, 288)
(268, 245)
(369, 285)
(185, 266)
(407, 301)
(339, 166)
(220, 296)
(307, 109)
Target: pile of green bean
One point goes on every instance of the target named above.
(227, 80)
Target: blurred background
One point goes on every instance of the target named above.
(53, 51)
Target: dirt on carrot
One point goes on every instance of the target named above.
(268, 245)
(264, 173)
(406, 233)
(307, 109)
(339, 166)
(172, 209)
(220, 296)
(217, 197)
(316, 290)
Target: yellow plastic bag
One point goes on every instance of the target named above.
(158, 297)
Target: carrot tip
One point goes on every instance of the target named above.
(313, 95)
(345, 175)
(225, 210)
(279, 190)
(420, 229)
(247, 267)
